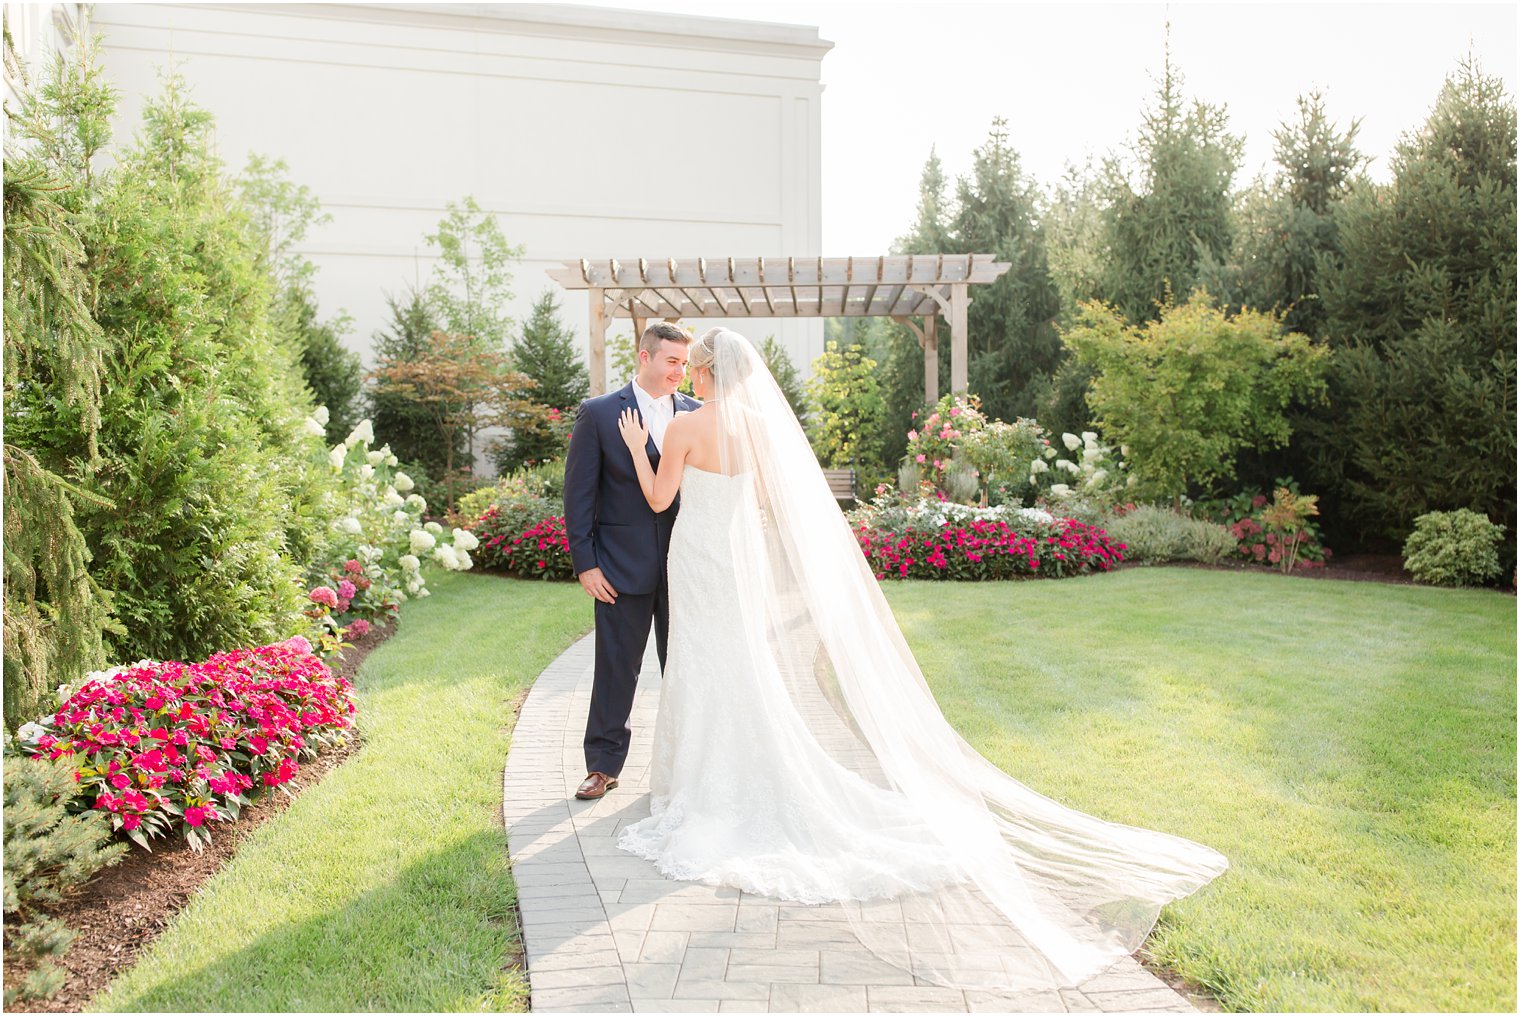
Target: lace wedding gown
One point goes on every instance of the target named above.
(800, 754)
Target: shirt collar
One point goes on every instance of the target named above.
(645, 399)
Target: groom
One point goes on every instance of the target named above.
(618, 543)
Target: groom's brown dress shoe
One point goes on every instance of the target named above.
(595, 785)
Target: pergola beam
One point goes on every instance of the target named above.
(926, 286)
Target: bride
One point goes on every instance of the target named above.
(799, 754)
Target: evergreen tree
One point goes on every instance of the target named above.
(546, 352)
(398, 421)
(1013, 346)
(1420, 307)
(929, 233)
(283, 213)
(1287, 228)
(779, 362)
(1157, 233)
(203, 494)
(547, 356)
(331, 370)
(54, 612)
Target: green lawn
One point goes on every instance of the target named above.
(1349, 746)
(385, 886)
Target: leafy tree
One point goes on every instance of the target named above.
(283, 213)
(900, 375)
(472, 282)
(461, 388)
(1159, 229)
(1186, 393)
(1073, 223)
(1420, 307)
(845, 408)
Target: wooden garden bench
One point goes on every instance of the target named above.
(841, 483)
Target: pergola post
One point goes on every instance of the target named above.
(960, 298)
(931, 360)
(597, 362)
(638, 324)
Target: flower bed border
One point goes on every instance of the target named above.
(123, 908)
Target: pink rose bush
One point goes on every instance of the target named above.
(168, 747)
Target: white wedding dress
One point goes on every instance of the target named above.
(799, 754)
(742, 793)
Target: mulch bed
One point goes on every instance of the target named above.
(124, 907)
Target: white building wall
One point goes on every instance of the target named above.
(589, 132)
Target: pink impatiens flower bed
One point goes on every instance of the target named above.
(168, 747)
(988, 549)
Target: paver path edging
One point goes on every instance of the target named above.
(603, 931)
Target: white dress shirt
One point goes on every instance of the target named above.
(656, 412)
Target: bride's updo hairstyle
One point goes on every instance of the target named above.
(724, 352)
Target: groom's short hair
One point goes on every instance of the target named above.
(662, 331)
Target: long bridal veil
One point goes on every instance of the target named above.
(1044, 895)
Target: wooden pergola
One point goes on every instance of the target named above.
(904, 288)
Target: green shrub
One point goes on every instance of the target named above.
(845, 409)
(1152, 535)
(48, 851)
(1453, 549)
(202, 490)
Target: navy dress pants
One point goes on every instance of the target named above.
(622, 633)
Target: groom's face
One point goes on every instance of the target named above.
(662, 373)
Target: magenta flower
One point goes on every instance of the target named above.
(346, 590)
(358, 627)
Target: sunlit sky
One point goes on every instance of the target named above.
(1072, 80)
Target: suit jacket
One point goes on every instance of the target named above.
(609, 524)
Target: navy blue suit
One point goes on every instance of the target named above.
(611, 526)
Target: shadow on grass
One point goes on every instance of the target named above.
(429, 940)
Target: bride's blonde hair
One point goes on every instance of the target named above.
(705, 352)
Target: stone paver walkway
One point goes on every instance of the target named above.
(605, 932)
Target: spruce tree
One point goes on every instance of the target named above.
(1420, 308)
(1158, 230)
(54, 611)
(398, 421)
(779, 362)
(1012, 341)
(547, 353)
(1286, 228)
